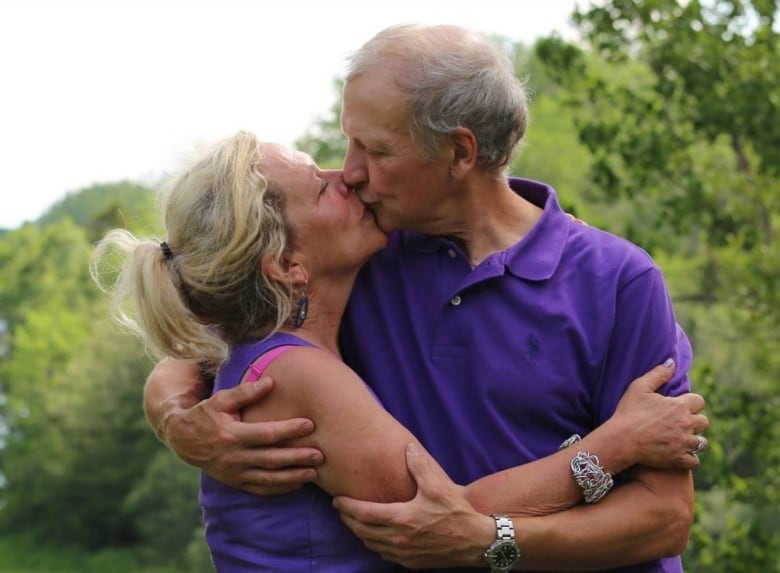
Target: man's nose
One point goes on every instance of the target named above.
(355, 172)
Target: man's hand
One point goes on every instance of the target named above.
(438, 528)
(211, 436)
(662, 429)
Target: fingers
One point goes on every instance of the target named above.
(377, 538)
(695, 402)
(366, 513)
(235, 399)
(576, 220)
(274, 483)
(695, 445)
(654, 379)
(691, 460)
(421, 465)
(700, 423)
(271, 433)
(265, 471)
(275, 458)
(701, 444)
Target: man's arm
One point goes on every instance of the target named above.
(439, 528)
(648, 517)
(207, 432)
(447, 525)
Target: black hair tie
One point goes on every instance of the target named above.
(166, 251)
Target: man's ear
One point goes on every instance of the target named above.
(464, 151)
(284, 270)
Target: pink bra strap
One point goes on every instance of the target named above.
(257, 368)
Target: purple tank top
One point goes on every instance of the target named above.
(299, 531)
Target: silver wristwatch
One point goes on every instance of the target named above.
(503, 552)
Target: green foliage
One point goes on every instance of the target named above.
(24, 553)
(551, 152)
(79, 441)
(104, 206)
(48, 265)
(719, 56)
(324, 140)
(75, 441)
(685, 162)
(163, 503)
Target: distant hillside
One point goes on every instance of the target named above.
(124, 203)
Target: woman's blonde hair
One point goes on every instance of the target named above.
(205, 288)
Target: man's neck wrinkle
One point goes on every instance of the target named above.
(494, 226)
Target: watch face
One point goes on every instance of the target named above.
(503, 555)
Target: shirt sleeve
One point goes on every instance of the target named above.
(645, 333)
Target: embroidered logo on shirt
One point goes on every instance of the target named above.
(532, 349)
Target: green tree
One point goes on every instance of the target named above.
(76, 442)
(324, 140)
(45, 265)
(163, 504)
(685, 150)
(132, 204)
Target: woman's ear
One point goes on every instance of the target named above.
(298, 274)
(284, 270)
(273, 268)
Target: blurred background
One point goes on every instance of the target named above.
(658, 120)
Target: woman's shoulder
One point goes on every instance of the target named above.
(306, 362)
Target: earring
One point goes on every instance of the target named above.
(303, 308)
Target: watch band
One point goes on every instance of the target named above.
(505, 529)
(503, 552)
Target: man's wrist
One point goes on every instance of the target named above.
(172, 409)
(487, 535)
(503, 553)
(161, 428)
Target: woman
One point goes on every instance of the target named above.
(262, 252)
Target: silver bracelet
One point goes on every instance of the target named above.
(590, 476)
(571, 440)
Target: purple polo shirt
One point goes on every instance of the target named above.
(495, 366)
(296, 532)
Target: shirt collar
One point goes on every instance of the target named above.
(537, 255)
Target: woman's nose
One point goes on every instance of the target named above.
(336, 178)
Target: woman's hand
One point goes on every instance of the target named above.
(662, 431)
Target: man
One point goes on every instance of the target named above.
(492, 326)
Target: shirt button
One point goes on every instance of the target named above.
(455, 301)
(452, 254)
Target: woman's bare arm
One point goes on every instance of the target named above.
(362, 443)
(208, 432)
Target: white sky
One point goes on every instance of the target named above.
(105, 90)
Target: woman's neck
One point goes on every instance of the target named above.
(327, 302)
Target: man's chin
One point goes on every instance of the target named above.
(386, 228)
(385, 224)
